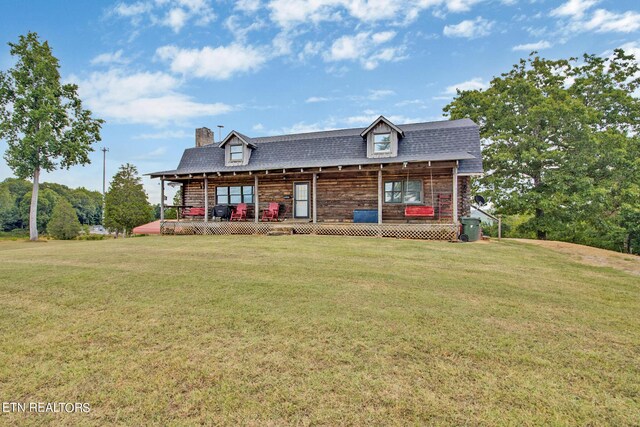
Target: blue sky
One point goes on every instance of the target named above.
(157, 69)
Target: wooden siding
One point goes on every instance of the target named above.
(339, 193)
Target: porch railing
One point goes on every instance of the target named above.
(439, 231)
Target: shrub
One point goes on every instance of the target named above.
(93, 237)
(64, 223)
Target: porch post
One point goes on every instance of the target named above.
(455, 195)
(206, 199)
(315, 199)
(161, 199)
(380, 196)
(256, 199)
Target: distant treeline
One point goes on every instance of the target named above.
(15, 198)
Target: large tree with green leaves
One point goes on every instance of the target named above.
(560, 143)
(126, 203)
(42, 119)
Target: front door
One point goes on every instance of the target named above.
(301, 200)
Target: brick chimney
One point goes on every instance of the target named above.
(204, 136)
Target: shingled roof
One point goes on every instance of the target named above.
(430, 141)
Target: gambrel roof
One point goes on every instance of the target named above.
(430, 141)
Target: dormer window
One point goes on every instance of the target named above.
(382, 143)
(236, 152)
(237, 149)
(382, 138)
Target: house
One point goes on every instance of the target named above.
(394, 176)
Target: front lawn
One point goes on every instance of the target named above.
(258, 330)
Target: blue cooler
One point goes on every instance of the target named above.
(365, 215)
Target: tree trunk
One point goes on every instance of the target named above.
(627, 243)
(33, 211)
(540, 234)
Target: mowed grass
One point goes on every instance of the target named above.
(308, 330)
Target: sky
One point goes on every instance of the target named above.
(155, 70)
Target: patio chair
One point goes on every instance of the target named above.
(240, 213)
(271, 213)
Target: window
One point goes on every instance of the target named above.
(235, 153)
(403, 192)
(381, 143)
(234, 195)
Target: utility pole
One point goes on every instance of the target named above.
(104, 179)
(220, 133)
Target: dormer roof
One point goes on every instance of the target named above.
(243, 138)
(386, 121)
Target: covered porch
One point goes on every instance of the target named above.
(419, 193)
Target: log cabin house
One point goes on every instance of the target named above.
(408, 180)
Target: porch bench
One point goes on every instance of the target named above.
(419, 211)
(193, 212)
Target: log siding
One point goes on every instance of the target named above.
(339, 193)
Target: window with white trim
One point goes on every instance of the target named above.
(234, 195)
(236, 152)
(408, 192)
(381, 143)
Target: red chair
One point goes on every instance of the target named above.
(240, 213)
(271, 213)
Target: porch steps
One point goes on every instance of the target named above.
(281, 230)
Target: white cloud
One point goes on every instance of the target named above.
(241, 30)
(365, 48)
(411, 102)
(310, 49)
(176, 18)
(314, 99)
(158, 152)
(109, 58)
(290, 13)
(219, 63)
(302, 127)
(574, 8)
(258, 127)
(376, 94)
(600, 20)
(368, 116)
(542, 44)
(383, 37)
(248, 6)
(132, 9)
(470, 28)
(174, 14)
(604, 21)
(474, 84)
(141, 97)
(460, 5)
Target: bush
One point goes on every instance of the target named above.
(15, 234)
(93, 237)
(64, 223)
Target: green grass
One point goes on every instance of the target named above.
(316, 330)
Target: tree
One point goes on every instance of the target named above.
(42, 119)
(64, 224)
(47, 200)
(126, 203)
(560, 144)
